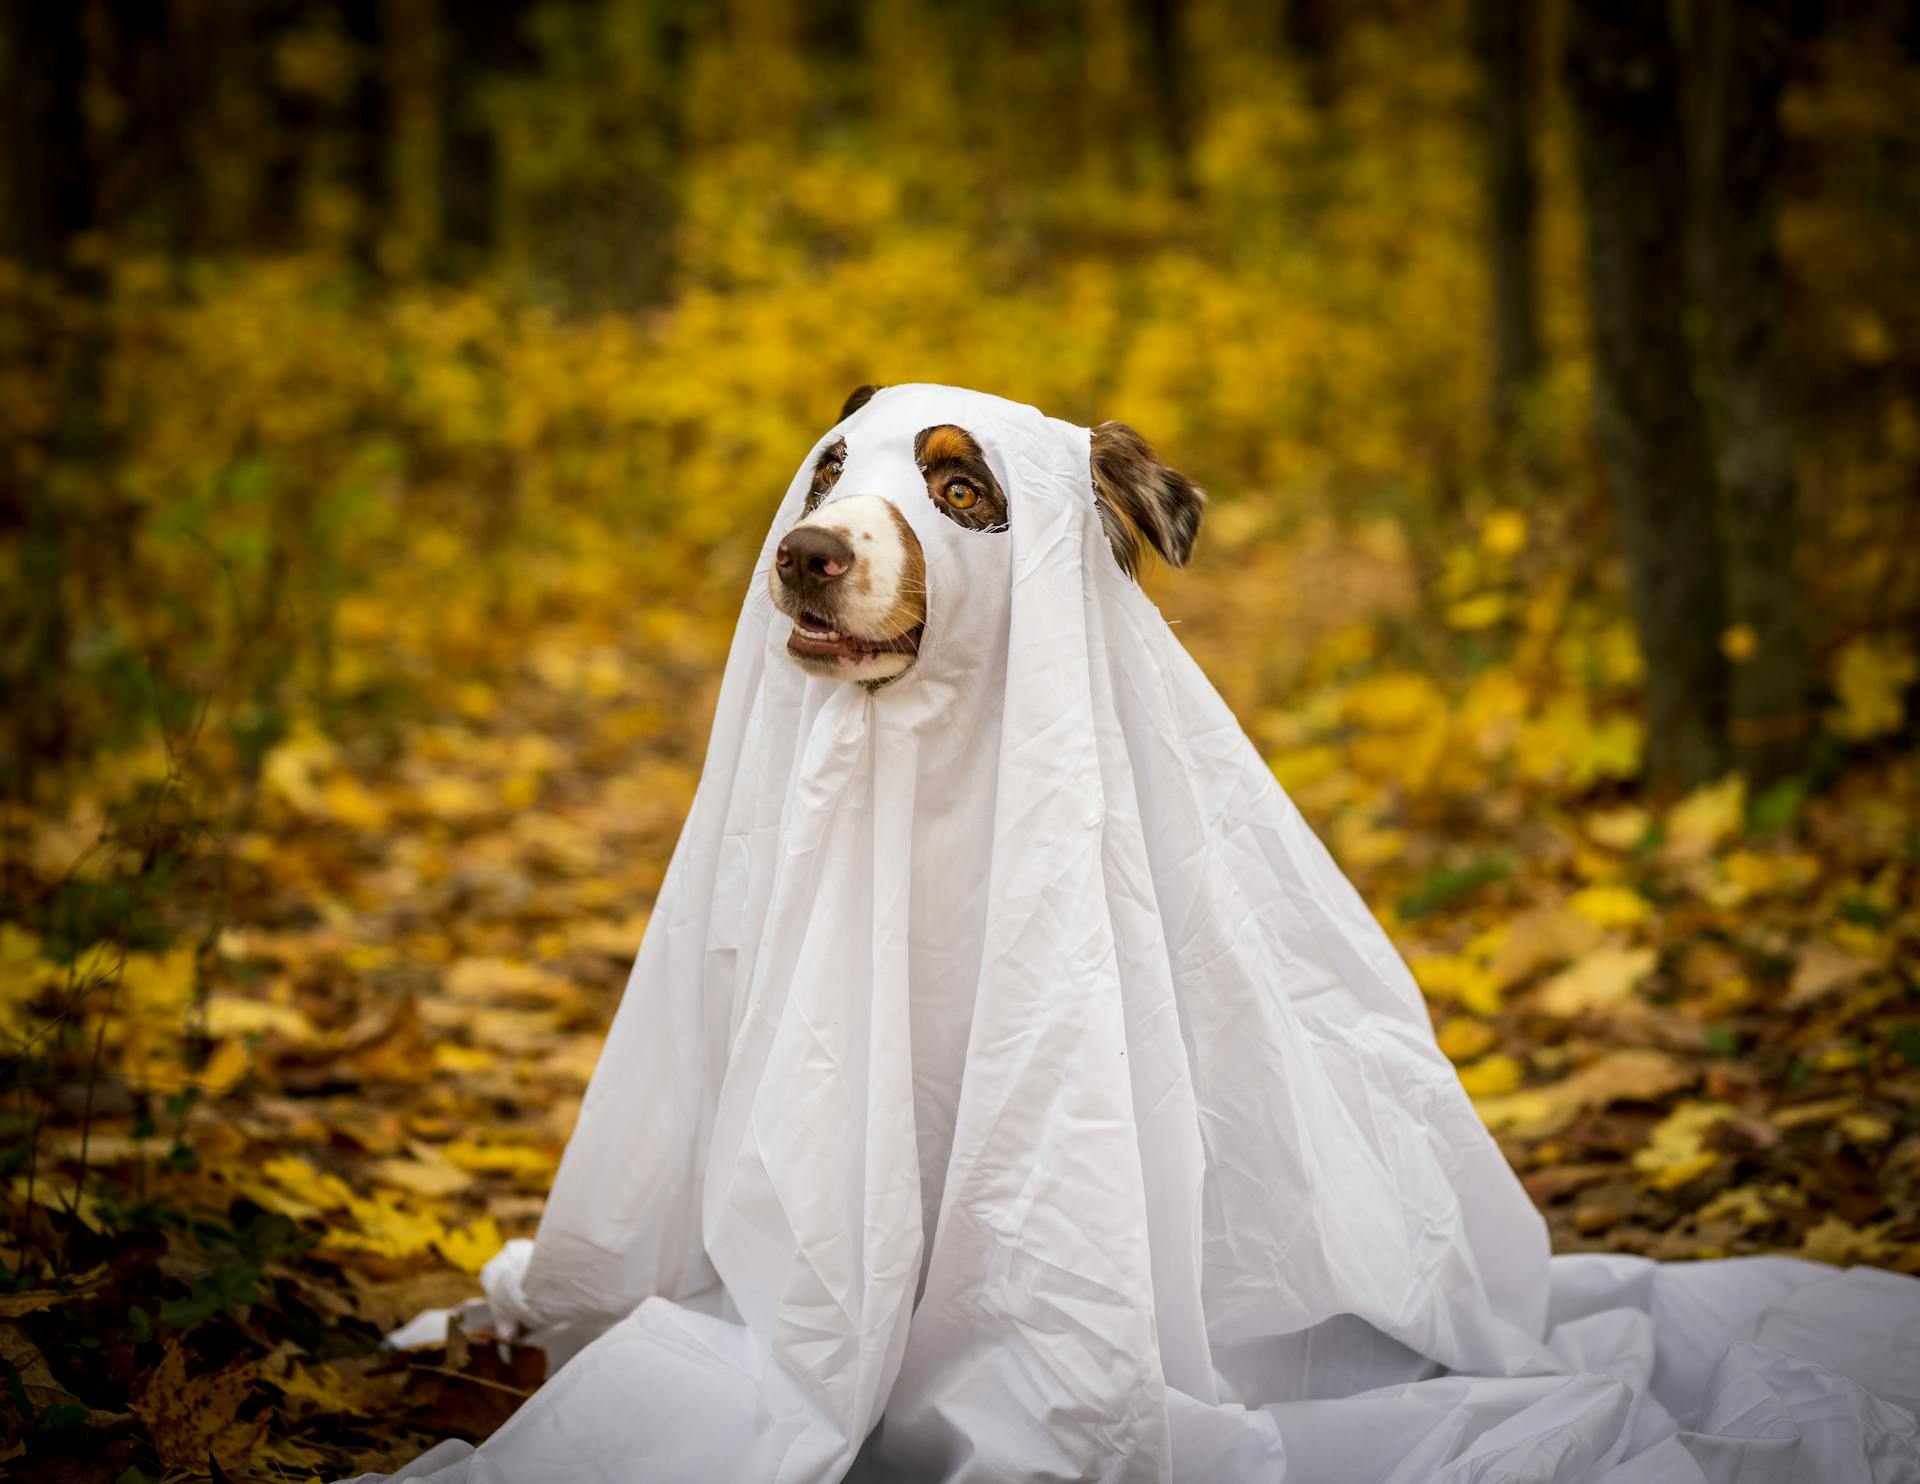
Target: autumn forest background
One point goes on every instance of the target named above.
(393, 396)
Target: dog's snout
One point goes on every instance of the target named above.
(812, 560)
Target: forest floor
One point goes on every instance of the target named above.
(323, 1101)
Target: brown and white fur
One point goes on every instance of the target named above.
(852, 576)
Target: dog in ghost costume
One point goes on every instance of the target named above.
(1009, 1085)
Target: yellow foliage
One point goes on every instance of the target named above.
(1611, 906)
(1870, 679)
(1452, 977)
(1463, 1039)
(1677, 1152)
(470, 1247)
(1491, 1076)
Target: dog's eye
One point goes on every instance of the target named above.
(833, 470)
(961, 496)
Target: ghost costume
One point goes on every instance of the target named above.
(1011, 1087)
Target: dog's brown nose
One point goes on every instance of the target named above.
(811, 560)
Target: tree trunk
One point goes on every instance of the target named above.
(1621, 71)
(51, 203)
(1310, 31)
(478, 41)
(369, 128)
(1744, 53)
(47, 166)
(1157, 23)
(1503, 36)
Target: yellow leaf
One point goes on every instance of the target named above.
(1739, 643)
(1710, 814)
(350, 803)
(1745, 1204)
(1865, 1128)
(1842, 1244)
(237, 1015)
(491, 1158)
(1619, 829)
(1491, 1076)
(307, 1185)
(1463, 1039)
(1452, 977)
(1677, 1151)
(1503, 532)
(470, 1248)
(1870, 680)
(450, 1057)
(436, 1178)
(388, 1228)
(1479, 612)
(1611, 906)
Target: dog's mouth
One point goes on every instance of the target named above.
(815, 638)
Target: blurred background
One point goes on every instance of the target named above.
(395, 394)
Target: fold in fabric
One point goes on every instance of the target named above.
(1009, 1086)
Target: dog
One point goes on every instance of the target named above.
(851, 575)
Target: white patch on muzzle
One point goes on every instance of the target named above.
(867, 602)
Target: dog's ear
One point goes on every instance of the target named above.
(856, 399)
(1143, 502)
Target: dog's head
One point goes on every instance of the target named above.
(851, 573)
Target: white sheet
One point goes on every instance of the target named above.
(1008, 1065)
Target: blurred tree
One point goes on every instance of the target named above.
(481, 41)
(1311, 34)
(1622, 72)
(1158, 25)
(50, 202)
(1503, 41)
(1743, 48)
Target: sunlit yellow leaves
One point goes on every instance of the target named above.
(1463, 1039)
(1568, 745)
(469, 1248)
(1677, 1152)
(498, 1158)
(1478, 612)
(1837, 1241)
(1870, 681)
(1503, 533)
(306, 1190)
(384, 1226)
(1452, 977)
(1394, 701)
(1611, 906)
(1491, 1076)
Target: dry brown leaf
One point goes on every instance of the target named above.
(191, 1417)
(1541, 938)
(1605, 977)
(1619, 1076)
(1822, 969)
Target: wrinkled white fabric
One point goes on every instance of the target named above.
(1008, 1066)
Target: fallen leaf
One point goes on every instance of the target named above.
(190, 1417)
(1604, 977)
(1541, 938)
(1821, 969)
